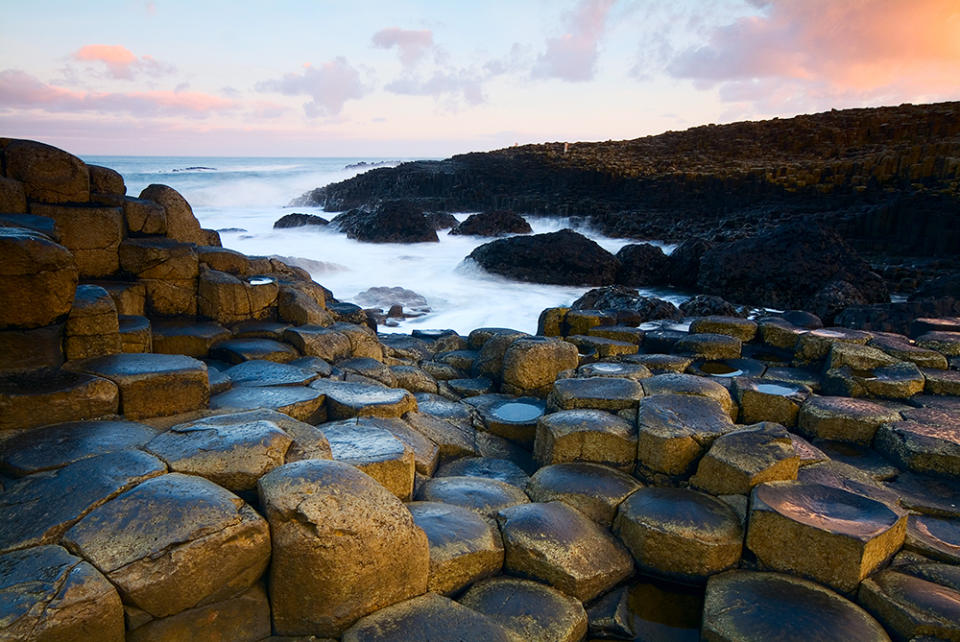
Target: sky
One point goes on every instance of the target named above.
(433, 78)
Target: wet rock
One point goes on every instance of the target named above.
(363, 340)
(136, 335)
(182, 225)
(51, 595)
(586, 436)
(769, 400)
(739, 460)
(464, 547)
(779, 333)
(843, 419)
(346, 400)
(427, 617)
(935, 537)
(903, 349)
(815, 345)
(299, 308)
(921, 447)
(260, 372)
(674, 431)
(144, 217)
(486, 467)
(733, 326)
(602, 347)
(229, 299)
(706, 305)
(48, 174)
(683, 264)
(300, 220)
(642, 264)
(413, 379)
(300, 402)
(531, 610)
(187, 338)
(912, 607)
(318, 341)
(630, 307)
(485, 496)
(153, 385)
(623, 333)
(129, 296)
(579, 321)
(633, 371)
(453, 438)
(493, 223)
(941, 382)
(42, 397)
(39, 508)
(861, 457)
(564, 257)
(598, 393)
(899, 381)
(531, 365)
(57, 445)
(309, 442)
(709, 346)
(684, 384)
(555, 544)
(946, 343)
(375, 451)
(329, 521)
(389, 222)
(513, 418)
(679, 533)
(34, 263)
(442, 220)
(846, 536)
(660, 363)
(593, 489)
(751, 607)
(173, 542)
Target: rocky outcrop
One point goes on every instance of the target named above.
(495, 223)
(388, 222)
(642, 264)
(565, 257)
(300, 220)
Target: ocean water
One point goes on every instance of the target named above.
(243, 197)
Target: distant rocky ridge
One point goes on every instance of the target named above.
(886, 178)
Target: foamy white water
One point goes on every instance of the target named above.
(250, 194)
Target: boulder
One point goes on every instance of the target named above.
(586, 436)
(143, 217)
(329, 521)
(104, 180)
(486, 467)
(493, 223)
(786, 268)
(92, 234)
(32, 263)
(706, 305)
(642, 264)
(532, 611)
(593, 489)
(627, 305)
(483, 495)
(218, 258)
(531, 365)
(48, 174)
(390, 222)
(428, 617)
(683, 264)
(739, 460)
(228, 299)
(13, 198)
(564, 258)
(374, 450)
(300, 220)
(93, 329)
(912, 607)
(182, 225)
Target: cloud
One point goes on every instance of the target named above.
(120, 62)
(457, 82)
(825, 50)
(329, 86)
(573, 55)
(20, 89)
(411, 45)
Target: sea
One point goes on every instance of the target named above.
(243, 197)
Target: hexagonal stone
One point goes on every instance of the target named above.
(240, 350)
(233, 456)
(347, 399)
(743, 329)
(318, 341)
(748, 606)
(910, 606)
(531, 364)
(935, 537)
(739, 460)
(363, 341)
(679, 534)
(28, 400)
(39, 508)
(242, 618)
(593, 489)
(599, 393)
(329, 521)
(57, 445)
(842, 419)
(624, 333)
(905, 350)
(374, 450)
(483, 495)
(673, 431)
(464, 547)
(514, 419)
(368, 368)
(941, 382)
(946, 343)
(769, 400)
(685, 384)
(709, 346)
(153, 385)
(309, 442)
(586, 435)
(634, 371)
(50, 595)
(531, 610)
(426, 454)
(135, 332)
(846, 536)
(899, 381)
(413, 379)
(723, 371)
(92, 234)
(260, 372)
(815, 344)
(487, 467)
(660, 363)
(92, 328)
(857, 357)
(453, 438)
(863, 458)
(25, 351)
(921, 447)
(299, 402)
(558, 545)
(191, 339)
(48, 174)
(174, 541)
(428, 617)
(601, 346)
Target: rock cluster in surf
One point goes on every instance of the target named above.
(199, 444)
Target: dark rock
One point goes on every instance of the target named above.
(944, 286)
(299, 220)
(495, 223)
(564, 258)
(642, 264)
(389, 222)
(683, 264)
(835, 297)
(628, 303)
(704, 305)
(442, 220)
(786, 268)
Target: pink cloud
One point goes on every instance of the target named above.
(573, 55)
(120, 62)
(20, 89)
(329, 86)
(885, 49)
(411, 45)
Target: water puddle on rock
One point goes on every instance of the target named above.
(775, 389)
(516, 411)
(720, 369)
(663, 611)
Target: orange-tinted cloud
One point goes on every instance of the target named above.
(120, 62)
(856, 48)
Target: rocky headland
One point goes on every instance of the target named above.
(196, 444)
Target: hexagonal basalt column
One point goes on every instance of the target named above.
(588, 436)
